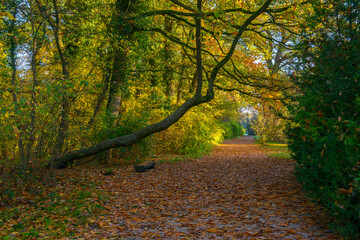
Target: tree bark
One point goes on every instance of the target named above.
(118, 78)
(123, 30)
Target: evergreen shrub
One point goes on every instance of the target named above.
(325, 141)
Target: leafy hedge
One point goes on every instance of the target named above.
(232, 129)
(326, 140)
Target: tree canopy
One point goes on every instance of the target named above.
(71, 65)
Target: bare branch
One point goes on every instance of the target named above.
(234, 44)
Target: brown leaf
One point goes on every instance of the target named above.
(343, 190)
(291, 231)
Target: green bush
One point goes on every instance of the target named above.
(194, 134)
(269, 127)
(232, 130)
(228, 133)
(326, 138)
(129, 122)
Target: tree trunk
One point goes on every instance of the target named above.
(168, 55)
(31, 127)
(123, 30)
(181, 81)
(102, 96)
(13, 54)
(120, 46)
(118, 79)
(65, 78)
(64, 115)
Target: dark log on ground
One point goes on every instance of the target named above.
(143, 167)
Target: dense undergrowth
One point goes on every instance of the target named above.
(194, 135)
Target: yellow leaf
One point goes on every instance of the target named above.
(6, 94)
(12, 222)
(9, 16)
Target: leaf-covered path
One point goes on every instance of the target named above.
(236, 193)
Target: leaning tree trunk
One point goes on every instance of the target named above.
(128, 140)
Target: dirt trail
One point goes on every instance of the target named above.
(236, 193)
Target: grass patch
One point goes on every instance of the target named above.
(276, 150)
(285, 155)
(174, 159)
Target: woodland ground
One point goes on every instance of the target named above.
(238, 192)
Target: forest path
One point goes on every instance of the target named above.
(235, 193)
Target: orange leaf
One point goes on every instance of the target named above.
(290, 231)
(343, 190)
(348, 10)
(212, 230)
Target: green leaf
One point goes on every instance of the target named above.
(9, 16)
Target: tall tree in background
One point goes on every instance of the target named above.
(122, 33)
(55, 21)
(11, 39)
